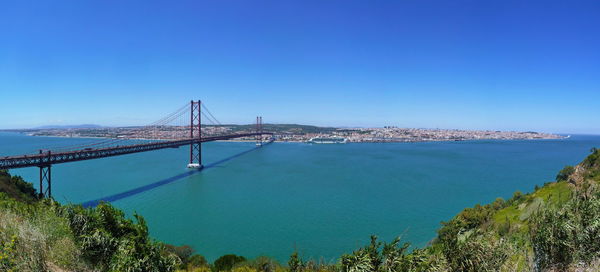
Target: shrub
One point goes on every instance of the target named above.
(226, 262)
(17, 188)
(568, 234)
(264, 264)
(389, 257)
(196, 261)
(7, 254)
(183, 252)
(113, 242)
(478, 252)
(244, 268)
(295, 263)
(32, 237)
(565, 173)
(518, 196)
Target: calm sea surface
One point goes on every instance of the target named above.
(324, 200)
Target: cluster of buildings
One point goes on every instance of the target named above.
(149, 132)
(395, 134)
(288, 133)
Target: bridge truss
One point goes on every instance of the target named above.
(126, 145)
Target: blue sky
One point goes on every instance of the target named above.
(508, 65)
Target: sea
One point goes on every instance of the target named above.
(321, 200)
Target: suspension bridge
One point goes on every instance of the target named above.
(183, 127)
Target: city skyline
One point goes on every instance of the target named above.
(498, 65)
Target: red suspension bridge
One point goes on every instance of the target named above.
(180, 128)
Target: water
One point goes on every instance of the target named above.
(323, 200)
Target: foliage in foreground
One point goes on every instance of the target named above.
(46, 236)
(111, 242)
(17, 188)
(42, 235)
(567, 235)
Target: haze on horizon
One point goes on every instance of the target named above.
(498, 65)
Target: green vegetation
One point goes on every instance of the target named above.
(564, 174)
(16, 187)
(42, 235)
(554, 228)
(568, 234)
(227, 262)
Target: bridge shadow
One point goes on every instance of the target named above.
(141, 189)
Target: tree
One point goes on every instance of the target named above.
(373, 251)
(196, 261)
(183, 252)
(295, 263)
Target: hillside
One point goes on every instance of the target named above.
(554, 228)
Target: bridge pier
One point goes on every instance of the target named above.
(46, 176)
(196, 147)
(195, 156)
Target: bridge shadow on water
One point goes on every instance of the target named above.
(139, 190)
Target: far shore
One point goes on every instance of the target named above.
(304, 141)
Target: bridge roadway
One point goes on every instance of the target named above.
(48, 158)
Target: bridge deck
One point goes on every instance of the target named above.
(46, 159)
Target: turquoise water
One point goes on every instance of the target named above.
(324, 200)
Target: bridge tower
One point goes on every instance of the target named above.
(259, 130)
(195, 146)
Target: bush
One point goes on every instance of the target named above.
(226, 262)
(478, 252)
(17, 188)
(518, 196)
(32, 237)
(244, 268)
(389, 257)
(295, 263)
(183, 252)
(565, 173)
(566, 235)
(196, 261)
(112, 242)
(264, 264)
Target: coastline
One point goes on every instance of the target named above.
(305, 141)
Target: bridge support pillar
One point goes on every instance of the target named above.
(46, 177)
(196, 146)
(259, 130)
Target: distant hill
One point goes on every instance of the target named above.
(68, 126)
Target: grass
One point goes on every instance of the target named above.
(515, 215)
(555, 193)
(40, 239)
(509, 214)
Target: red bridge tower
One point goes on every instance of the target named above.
(195, 124)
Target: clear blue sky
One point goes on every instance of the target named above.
(509, 65)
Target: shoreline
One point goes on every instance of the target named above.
(353, 142)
